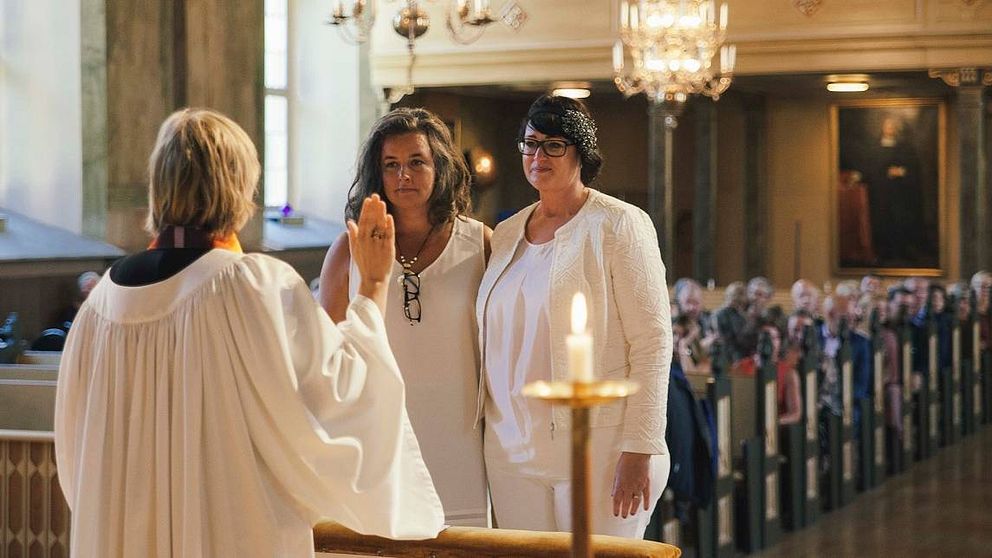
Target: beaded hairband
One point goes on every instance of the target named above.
(581, 129)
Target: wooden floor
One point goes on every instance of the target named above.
(940, 507)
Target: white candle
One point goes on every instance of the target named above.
(618, 56)
(624, 12)
(579, 343)
(723, 16)
(634, 24)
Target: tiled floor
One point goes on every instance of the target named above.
(940, 507)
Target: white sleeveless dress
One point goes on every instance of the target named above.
(438, 358)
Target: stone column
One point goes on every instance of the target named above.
(974, 197)
(663, 118)
(755, 187)
(704, 199)
(143, 59)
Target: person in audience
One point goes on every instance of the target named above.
(830, 342)
(735, 325)
(206, 405)
(846, 297)
(574, 239)
(920, 289)
(759, 294)
(862, 356)
(790, 406)
(410, 160)
(689, 299)
(871, 285)
(981, 286)
(890, 317)
(945, 327)
(688, 350)
(959, 294)
(805, 297)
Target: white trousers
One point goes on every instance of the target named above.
(528, 498)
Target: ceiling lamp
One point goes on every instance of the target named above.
(574, 90)
(855, 83)
(672, 44)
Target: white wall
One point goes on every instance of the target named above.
(40, 113)
(330, 99)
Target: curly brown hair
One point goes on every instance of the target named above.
(450, 197)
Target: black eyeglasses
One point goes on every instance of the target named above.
(552, 147)
(411, 296)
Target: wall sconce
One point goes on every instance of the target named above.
(482, 166)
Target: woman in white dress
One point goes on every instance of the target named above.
(410, 160)
(206, 405)
(574, 239)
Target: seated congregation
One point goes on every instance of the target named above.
(802, 409)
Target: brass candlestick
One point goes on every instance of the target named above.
(580, 396)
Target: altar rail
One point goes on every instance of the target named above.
(475, 542)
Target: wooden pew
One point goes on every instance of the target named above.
(846, 434)
(811, 395)
(715, 535)
(27, 393)
(46, 358)
(874, 422)
(966, 360)
(928, 406)
(950, 382)
(766, 420)
(908, 443)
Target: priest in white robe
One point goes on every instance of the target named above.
(211, 408)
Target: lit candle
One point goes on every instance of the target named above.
(618, 56)
(579, 343)
(723, 16)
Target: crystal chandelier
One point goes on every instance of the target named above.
(672, 44)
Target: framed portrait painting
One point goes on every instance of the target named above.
(888, 186)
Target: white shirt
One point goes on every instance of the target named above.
(439, 360)
(517, 342)
(219, 412)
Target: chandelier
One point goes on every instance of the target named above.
(672, 44)
(465, 19)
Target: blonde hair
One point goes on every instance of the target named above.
(203, 172)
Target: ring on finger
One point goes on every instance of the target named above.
(378, 234)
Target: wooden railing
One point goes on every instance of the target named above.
(474, 542)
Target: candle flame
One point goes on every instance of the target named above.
(579, 313)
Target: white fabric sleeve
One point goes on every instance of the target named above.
(359, 461)
(641, 296)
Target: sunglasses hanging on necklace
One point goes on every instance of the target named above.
(410, 281)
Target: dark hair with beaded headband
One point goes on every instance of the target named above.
(570, 119)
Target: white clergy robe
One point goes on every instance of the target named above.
(219, 412)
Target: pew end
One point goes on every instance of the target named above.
(475, 542)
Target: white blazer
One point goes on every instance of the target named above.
(609, 252)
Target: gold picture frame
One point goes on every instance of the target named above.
(888, 192)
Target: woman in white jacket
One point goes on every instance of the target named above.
(574, 239)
